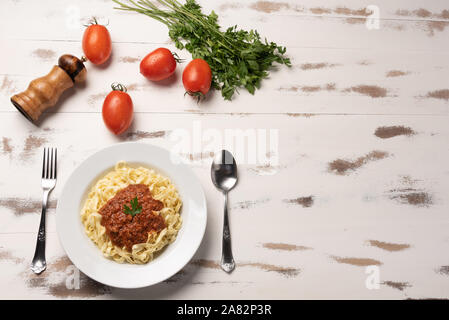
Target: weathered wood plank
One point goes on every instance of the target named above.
(318, 82)
(404, 25)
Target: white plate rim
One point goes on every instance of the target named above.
(201, 218)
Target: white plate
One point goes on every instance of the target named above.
(85, 254)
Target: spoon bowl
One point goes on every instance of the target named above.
(224, 171)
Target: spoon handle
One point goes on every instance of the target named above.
(227, 260)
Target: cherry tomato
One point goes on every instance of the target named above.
(197, 77)
(117, 110)
(97, 43)
(158, 64)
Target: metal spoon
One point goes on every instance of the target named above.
(224, 177)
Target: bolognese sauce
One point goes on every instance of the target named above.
(125, 230)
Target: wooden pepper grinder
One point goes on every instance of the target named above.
(44, 92)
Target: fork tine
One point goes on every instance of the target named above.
(43, 165)
(56, 161)
(50, 175)
(47, 175)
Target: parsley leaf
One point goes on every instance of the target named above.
(237, 58)
(135, 208)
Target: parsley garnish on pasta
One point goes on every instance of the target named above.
(135, 208)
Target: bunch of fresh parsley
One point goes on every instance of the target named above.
(237, 58)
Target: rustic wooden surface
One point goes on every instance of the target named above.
(362, 177)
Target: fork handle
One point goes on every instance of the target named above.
(39, 263)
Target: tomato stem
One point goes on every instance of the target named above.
(118, 87)
(198, 95)
(93, 21)
(177, 58)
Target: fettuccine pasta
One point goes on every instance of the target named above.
(161, 189)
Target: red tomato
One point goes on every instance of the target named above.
(117, 110)
(158, 64)
(97, 43)
(197, 77)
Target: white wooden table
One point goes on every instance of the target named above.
(353, 209)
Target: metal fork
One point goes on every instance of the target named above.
(48, 183)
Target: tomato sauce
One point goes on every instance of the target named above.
(125, 230)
